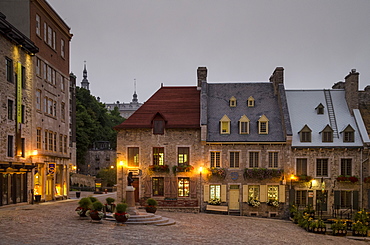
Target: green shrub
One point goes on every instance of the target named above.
(85, 202)
(151, 202)
(93, 199)
(98, 206)
(110, 200)
(121, 207)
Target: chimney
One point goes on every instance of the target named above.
(351, 89)
(202, 75)
(277, 78)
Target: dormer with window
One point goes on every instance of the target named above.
(225, 125)
(263, 125)
(232, 102)
(320, 109)
(327, 134)
(305, 134)
(250, 101)
(158, 124)
(244, 125)
(348, 134)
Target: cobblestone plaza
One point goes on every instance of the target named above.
(57, 223)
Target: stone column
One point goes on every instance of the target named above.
(130, 200)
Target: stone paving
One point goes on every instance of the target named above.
(57, 223)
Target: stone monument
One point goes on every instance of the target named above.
(130, 196)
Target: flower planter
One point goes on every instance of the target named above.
(340, 232)
(120, 217)
(81, 211)
(151, 209)
(95, 215)
(319, 230)
(359, 233)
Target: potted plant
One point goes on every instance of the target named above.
(318, 226)
(109, 206)
(83, 205)
(95, 212)
(274, 203)
(359, 229)
(339, 228)
(253, 202)
(120, 215)
(92, 199)
(151, 205)
(214, 201)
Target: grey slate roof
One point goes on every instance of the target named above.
(215, 104)
(302, 104)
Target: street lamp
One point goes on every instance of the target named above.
(292, 177)
(200, 188)
(122, 165)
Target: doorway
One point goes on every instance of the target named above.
(136, 185)
(234, 197)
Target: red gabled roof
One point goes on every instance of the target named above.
(179, 106)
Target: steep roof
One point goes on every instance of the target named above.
(179, 106)
(266, 103)
(302, 104)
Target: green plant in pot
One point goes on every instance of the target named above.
(120, 215)
(151, 205)
(83, 205)
(92, 199)
(95, 211)
(109, 206)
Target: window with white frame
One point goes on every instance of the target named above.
(215, 159)
(263, 125)
(214, 192)
(244, 125)
(253, 159)
(322, 167)
(234, 159)
(232, 102)
(250, 101)
(273, 159)
(225, 125)
(62, 48)
(273, 193)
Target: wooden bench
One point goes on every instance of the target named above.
(217, 208)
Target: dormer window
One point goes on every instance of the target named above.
(305, 134)
(225, 125)
(263, 125)
(320, 109)
(158, 124)
(244, 125)
(327, 134)
(232, 102)
(348, 134)
(250, 102)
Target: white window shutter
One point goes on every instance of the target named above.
(206, 193)
(223, 193)
(263, 193)
(245, 193)
(281, 193)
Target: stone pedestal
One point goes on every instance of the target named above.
(130, 200)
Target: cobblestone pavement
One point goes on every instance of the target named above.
(57, 223)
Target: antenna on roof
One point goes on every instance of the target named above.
(134, 85)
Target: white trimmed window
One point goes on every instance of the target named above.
(215, 159)
(244, 125)
(254, 192)
(263, 126)
(305, 134)
(273, 159)
(232, 102)
(253, 159)
(250, 102)
(225, 125)
(234, 159)
(214, 191)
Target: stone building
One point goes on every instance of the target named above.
(52, 112)
(160, 144)
(16, 99)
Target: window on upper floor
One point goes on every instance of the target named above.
(158, 123)
(10, 152)
(348, 134)
(244, 125)
(263, 126)
(322, 167)
(301, 166)
(9, 69)
(62, 48)
(232, 102)
(305, 134)
(273, 159)
(250, 102)
(38, 25)
(38, 99)
(133, 156)
(234, 159)
(10, 109)
(158, 156)
(320, 109)
(183, 156)
(38, 138)
(225, 125)
(253, 159)
(215, 159)
(346, 166)
(327, 134)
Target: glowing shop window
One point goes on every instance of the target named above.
(273, 192)
(215, 191)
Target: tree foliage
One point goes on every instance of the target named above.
(109, 176)
(93, 123)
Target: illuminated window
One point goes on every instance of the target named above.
(253, 159)
(250, 101)
(215, 192)
(232, 102)
(273, 159)
(183, 187)
(215, 159)
(158, 156)
(234, 159)
(158, 186)
(263, 125)
(50, 140)
(253, 192)
(133, 156)
(225, 125)
(244, 125)
(183, 156)
(273, 192)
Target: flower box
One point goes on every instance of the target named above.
(342, 178)
(183, 168)
(262, 173)
(159, 168)
(217, 172)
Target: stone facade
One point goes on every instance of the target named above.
(97, 158)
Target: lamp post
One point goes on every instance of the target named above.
(200, 188)
(122, 185)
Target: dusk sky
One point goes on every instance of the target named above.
(317, 42)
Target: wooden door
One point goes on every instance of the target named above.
(136, 185)
(234, 197)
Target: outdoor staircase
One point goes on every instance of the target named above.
(333, 121)
(145, 219)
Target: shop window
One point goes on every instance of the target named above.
(158, 186)
(183, 187)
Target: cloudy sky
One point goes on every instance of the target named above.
(318, 42)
